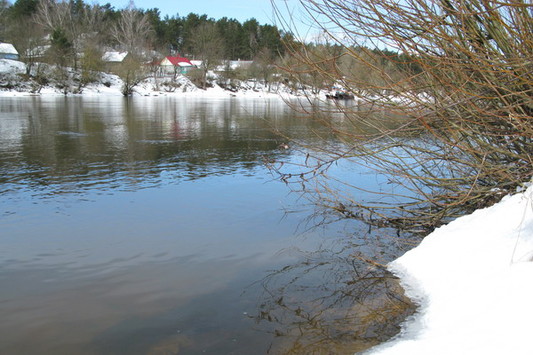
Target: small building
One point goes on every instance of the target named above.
(8, 51)
(113, 60)
(175, 65)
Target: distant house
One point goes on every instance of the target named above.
(113, 59)
(174, 65)
(7, 51)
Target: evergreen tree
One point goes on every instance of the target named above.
(61, 47)
(23, 9)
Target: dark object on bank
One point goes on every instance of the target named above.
(339, 95)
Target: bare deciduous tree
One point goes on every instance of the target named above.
(133, 30)
(28, 40)
(458, 77)
(263, 66)
(4, 6)
(208, 48)
(132, 72)
(79, 24)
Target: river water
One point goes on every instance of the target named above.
(152, 226)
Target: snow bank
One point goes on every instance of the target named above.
(8, 66)
(13, 84)
(473, 279)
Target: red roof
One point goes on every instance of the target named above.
(178, 60)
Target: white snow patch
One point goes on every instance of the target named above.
(115, 57)
(8, 66)
(8, 48)
(473, 281)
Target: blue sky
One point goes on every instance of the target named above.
(241, 10)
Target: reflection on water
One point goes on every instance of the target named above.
(335, 300)
(79, 143)
(138, 226)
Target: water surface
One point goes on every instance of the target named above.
(151, 225)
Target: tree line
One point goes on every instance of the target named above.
(75, 34)
(76, 25)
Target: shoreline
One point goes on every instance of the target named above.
(12, 84)
(470, 280)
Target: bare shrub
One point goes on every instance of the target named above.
(458, 78)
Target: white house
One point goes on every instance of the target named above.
(172, 65)
(8, 51)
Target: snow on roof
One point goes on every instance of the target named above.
(178, 61)
(114, 56)
(472, 279)
(8, 48)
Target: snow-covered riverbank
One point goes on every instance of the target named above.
(472, 279)
(14, 83)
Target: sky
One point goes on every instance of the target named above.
(241, 10)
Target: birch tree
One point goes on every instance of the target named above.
(133, 30)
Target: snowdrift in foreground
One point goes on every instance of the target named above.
(473, 279)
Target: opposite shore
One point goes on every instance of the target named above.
(13, 82)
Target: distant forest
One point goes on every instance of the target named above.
(75, 34)
(25, 22)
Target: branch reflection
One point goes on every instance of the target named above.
(337, 300)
